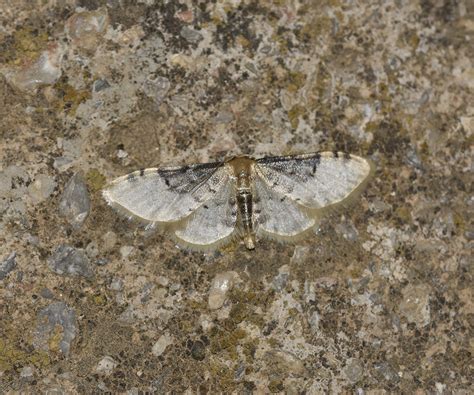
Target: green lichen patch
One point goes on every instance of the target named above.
(95, 180)
(14, 357)
(23, 46)
(69, 98)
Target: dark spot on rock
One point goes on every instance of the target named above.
(198, 350)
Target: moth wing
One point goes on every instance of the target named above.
(167, 194)
(277, 215)
(213, 223)
(315, 180)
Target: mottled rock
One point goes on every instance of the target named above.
(156, 88)
(7, 265)
(109, 239)
(190, 35)
(106, 365)
(125, 251)
(68, 261)
(281, 362)
(280, 280)
(74, 204)
(27, 373)
(116, 284)
(92, 249)
(221, 284)
(49, 318)
(41, 188)
(13, 182)
(160, 346)
(86, 28)
(385, 371)
(100, 85)
(45, 71)
(415, 304)
(198, 350)
(354, 370)
(347, 230)
(62, 163)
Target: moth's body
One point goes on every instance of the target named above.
(242, 168)
(206, 205)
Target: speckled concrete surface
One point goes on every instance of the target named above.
(378, 300)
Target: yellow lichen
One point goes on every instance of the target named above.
(95, 180)
(70, 98)
(28, 45)
(55, 338)
(294, 114)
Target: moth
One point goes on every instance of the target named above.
(206, 205)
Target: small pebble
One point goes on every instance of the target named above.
(160, 346)
(354, 370)
(156, 88)
(190, 35)
(74, 204)
(68, 261)
(109, 240)
(198, 350)
(41, 188)
(125, 251)
(57, 313)
(116, 284)
(86, 28)
(100, 85)
(7, 265)
(222, 283)
(45, 71)
(106, 365)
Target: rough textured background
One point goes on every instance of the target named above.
(380, 299)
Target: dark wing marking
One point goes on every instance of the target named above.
(314, 180)
(168, 194)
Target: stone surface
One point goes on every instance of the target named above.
(7, 265)
(56, 328)
(69, 261)
(74, 204)
(222, 283)
(41, 188)
(106, 365)
(160, 346)
(377, 299)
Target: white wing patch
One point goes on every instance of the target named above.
(278, 215)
